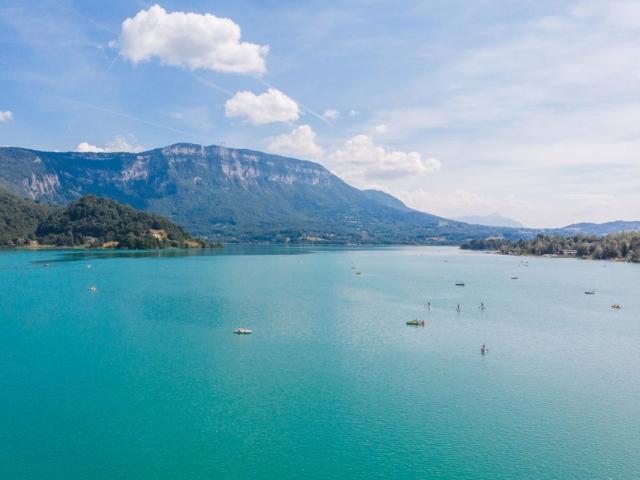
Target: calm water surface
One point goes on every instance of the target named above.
(143, 379)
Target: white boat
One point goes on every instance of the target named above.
(590, 292)
(243, 331)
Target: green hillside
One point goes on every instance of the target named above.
(87, 222)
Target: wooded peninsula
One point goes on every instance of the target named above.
(89, 222)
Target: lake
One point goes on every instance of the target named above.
(144, 379)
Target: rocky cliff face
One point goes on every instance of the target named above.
(228, 194)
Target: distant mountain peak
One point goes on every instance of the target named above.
(588, 228)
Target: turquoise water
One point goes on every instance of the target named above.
(144, 379)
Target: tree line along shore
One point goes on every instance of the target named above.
(615, 246)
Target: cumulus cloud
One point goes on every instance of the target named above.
(190, 40)
(361, 161)
(121, 143)
(86, 147)
(331, 114)
(6, 116)
(381, 128)
(301, 142)
(268, 107)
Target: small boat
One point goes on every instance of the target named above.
(243, 331)
(589, 292)
(428, 305)
(358, 273)
(484, 349)
(482, 306)
(459, 284)
(93, 288)
(46, 265)
(616, 306)
(514, 278)
(458, 309)
(416, 323)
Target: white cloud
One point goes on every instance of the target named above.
(124, 144)
(6, 116)
(86, 147)
(362, 162)
(381, 128)
(353, 113)
(191, 40)
(301, 142)
(120, 143)
(268, 107)
(331, 114)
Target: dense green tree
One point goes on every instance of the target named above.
(19, 219)
(89, 221)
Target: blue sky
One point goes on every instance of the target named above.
(527, 108)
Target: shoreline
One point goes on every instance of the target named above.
(65, 248)
(552, 255)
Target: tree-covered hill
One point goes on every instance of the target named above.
(19, 218)
(87, 222)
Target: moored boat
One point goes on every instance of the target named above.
(416, 323)
(590, 292)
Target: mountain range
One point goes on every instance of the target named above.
(601, 228)
(238, 195)
(231, 194)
